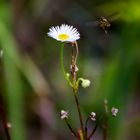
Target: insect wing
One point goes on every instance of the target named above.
(92, 23)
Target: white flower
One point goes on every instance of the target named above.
(92, 116)
(64, 33)
(85, 83)
(64, 114)
(114, 111)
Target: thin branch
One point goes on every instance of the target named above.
(105, 125)
(79, 113)
(71, 129)
(92, 132)
(6, 130)
(4, 119)
(86, 128)
(77, 52)
(105, 129)
(95, 128)
(73, 72)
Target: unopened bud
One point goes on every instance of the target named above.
(9, 125)
(1, 53)
(105, 101)
(68, 75)
(64, 114)
(76, 68)
(73, 68)
(92, 116)
(114, 111)
(85, 83)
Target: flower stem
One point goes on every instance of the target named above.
(95, 128)
(79, 113)
(86, 127)
(92, 132)
(105, 124)
(70, 128)
(5, 123)
(62, 65)
(77, 52)
(105, 129)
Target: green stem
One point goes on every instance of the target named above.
(73, 85)
(62, 65)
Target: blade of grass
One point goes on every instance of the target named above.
(13, 84)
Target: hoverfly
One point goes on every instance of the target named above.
(103, 22)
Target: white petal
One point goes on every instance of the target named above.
(72, 32)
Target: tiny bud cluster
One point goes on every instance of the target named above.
(85, 83)
(114, 111)
(64, 114)
(92, 116)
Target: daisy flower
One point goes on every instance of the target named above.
(64, 33)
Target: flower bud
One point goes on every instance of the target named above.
(9, 125)
(92, 116)
(1, 53)
(68, 75)
(85, 83)
(114, 111)
(76, 68)
(64, 114)
(73, 68)
(105, 101)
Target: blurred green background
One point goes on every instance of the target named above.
(32, 87)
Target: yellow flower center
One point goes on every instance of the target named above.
(63, 37)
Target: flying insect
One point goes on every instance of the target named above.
(103, 22)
